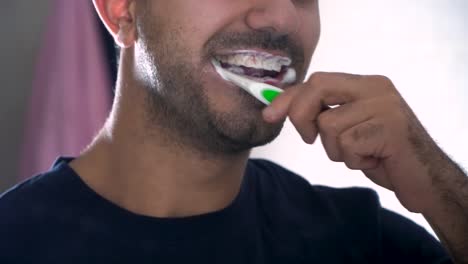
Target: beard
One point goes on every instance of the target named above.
(180, 107)
(177, 102)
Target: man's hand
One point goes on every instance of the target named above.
(373, 129)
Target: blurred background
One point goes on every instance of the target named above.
(57, 70)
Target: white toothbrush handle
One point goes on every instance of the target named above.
(261, 91)
(258, 90)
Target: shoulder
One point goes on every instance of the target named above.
(22, 214)
(30, 210)
(30, 196)
(24, 198)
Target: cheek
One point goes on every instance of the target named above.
(309, 32)
(197, 18)
(196, 21)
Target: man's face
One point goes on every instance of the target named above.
(177, 41)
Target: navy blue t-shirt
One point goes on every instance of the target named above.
(278, 217)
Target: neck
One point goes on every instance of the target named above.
(149, 174)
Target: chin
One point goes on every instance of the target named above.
(238, 135)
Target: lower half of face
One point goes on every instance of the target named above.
(195, 105)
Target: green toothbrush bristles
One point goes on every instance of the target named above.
(270, 95)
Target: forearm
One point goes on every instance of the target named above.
(449, 214)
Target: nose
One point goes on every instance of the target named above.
(278, 16)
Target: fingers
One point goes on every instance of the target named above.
(304, 102)
(303, 113)
(320, 90)
(310, 91)
(333, 122)
(357, 131)
(359, 100)
(361, 145)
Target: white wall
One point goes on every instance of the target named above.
(422, 45)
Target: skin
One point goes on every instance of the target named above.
(151, 158)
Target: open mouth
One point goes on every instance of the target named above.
(258, 66)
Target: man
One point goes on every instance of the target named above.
(168, 179)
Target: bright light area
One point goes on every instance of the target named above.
(422, 45)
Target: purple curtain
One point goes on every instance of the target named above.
(70, 96)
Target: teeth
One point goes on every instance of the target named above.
(273, 64)
(257, 61)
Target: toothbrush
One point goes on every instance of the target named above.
(265, 93)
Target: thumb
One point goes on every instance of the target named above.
(278, 109)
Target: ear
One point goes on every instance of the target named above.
(119, 18)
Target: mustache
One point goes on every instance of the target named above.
(261, 39)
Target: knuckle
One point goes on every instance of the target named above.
(335, 157)
(316, 77)
(344, 141)
(352, 164)
(380, 78)
(331, 148)
(383, 81)
(395, 101)
(352, 161)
